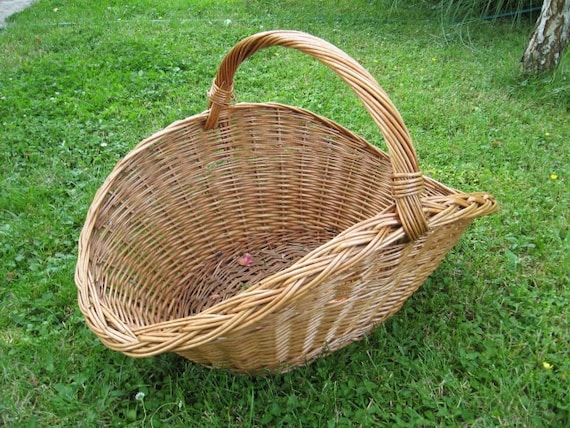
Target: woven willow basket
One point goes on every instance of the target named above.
(259, 236)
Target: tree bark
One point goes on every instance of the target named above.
(549, 38)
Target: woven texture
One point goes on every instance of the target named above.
(259, 236)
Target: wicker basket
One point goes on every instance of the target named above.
(259, 236)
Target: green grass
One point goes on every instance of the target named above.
(483, 343)
(488, 9)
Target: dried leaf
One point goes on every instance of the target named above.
(246, 260)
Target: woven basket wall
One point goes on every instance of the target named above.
(338, 233)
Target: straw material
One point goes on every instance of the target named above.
(259, 236)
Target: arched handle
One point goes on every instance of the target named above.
(407, 180)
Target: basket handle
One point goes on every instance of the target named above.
(407, 180)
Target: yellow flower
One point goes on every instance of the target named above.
(547, 134)
(553, 177)
(547, 365)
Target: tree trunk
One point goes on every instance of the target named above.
(549, 38)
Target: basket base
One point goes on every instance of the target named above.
(225, 277)
(351, 306)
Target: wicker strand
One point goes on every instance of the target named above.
(220, 96)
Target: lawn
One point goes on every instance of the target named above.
(485, 342)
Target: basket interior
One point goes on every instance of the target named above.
(177, 213)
